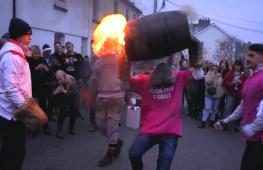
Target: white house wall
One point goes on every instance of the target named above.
(40, 37)
(6, 15)
(122, 10)
(76, 24)
(45, 19)
(210, 39)
(106, 7)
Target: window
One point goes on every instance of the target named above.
(59, 37)
(84, 46)
(222, 46)
(60, 5)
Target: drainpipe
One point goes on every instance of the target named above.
(14, 8)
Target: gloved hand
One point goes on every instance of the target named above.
(220, 125)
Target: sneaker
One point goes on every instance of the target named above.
(106, 160)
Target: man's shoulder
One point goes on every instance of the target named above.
(78, 55)
(12, 56)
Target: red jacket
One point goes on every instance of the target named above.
(230, 88)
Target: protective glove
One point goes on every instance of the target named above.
(220, 125)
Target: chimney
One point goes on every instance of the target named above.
(204, 22)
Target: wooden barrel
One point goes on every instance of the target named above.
(157, 35)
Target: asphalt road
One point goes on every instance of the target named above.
(198, 149)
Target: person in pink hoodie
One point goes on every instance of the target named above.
(251, 111)
(161, 113)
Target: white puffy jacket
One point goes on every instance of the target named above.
(15, 79)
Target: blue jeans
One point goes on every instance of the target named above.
(142, 143)
(231, 103)
(211, 108)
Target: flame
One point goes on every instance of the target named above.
(108, 37)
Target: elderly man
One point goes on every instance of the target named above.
(66, 96)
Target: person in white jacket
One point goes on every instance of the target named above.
(15, 89)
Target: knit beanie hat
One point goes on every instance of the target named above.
(45, 47)
(18, 28)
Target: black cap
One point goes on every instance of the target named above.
(18, 28)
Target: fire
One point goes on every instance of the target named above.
(108, 37)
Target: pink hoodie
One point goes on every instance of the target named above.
(161, 108)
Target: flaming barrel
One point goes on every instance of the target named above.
(158, 35)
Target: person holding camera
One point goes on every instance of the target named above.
(66, 97)
(214, 90)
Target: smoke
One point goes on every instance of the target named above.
(190, 12)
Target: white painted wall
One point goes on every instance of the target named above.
(42, 14)
(122, 10)
(45, 20)
(105, 8)
(6, 15)
(40, 38)
(210, 38)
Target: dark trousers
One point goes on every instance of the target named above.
(253, 156)
(195, 104)
(42, 101)
(92, 113)
(67, 105)
(44, 98)
(142, 143)
(13, 144)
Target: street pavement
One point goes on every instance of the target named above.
(198, 149)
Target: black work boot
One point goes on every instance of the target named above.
(202, 125)
(47, 130)
(72, 122)
(118, 148)
(108, 158)
(59, 133)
